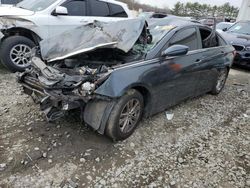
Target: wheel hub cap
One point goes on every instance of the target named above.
(20, 55)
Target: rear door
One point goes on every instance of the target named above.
(82, 12)
(179, 76)
(213, 55)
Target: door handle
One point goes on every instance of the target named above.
(198, 61)
(84, 21)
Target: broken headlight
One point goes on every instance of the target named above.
(87, 88)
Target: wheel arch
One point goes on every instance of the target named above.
(20, 31)
(147, 97)
(96, 112)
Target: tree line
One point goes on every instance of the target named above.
(198, 10)
(134, 5)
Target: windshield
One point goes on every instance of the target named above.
(240, 28)
(35, 5)
(223, 25)
(157, 32)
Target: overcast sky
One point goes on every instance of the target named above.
(170, 3)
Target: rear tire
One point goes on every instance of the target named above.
(125, 116)
(15, 53)
(221, 81)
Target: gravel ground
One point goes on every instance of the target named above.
(206, 144)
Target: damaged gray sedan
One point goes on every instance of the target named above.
(116, 74)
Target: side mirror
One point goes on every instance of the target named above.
(175, 50)
(60, 10)
(224, 29)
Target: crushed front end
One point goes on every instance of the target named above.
(66, 75)
(59, 89)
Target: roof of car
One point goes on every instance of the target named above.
(175, 22)
(244, 21)
(229, 23)
(115, 2)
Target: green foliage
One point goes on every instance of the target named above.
(198, 10)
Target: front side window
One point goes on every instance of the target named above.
(99, 8)
(76, 7)
(186, 37)
(117, 11)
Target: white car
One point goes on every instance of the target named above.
(223, 26)
(23, 26)
(9, 2)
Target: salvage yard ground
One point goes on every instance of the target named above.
(206, 144)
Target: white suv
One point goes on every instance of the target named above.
(23, 26)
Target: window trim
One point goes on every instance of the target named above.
(111, 10)
(167, 45)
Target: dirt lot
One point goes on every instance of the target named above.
(206, 144)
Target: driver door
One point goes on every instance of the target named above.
(180, 75)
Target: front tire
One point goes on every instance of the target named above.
(221, 81)
(125, 116)
(15, 53)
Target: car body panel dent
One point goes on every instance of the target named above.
(120, 34)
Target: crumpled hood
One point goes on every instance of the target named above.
(234, 38)
(118, 34)
(14, 11)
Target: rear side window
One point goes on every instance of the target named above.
(76, 7)
(186, 37)
(99, 8)
(209, 39)
(117, 11)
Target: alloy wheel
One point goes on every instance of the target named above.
(20, 55)
(130, 115)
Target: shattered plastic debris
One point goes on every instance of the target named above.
(169, 116)
(238, 84)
